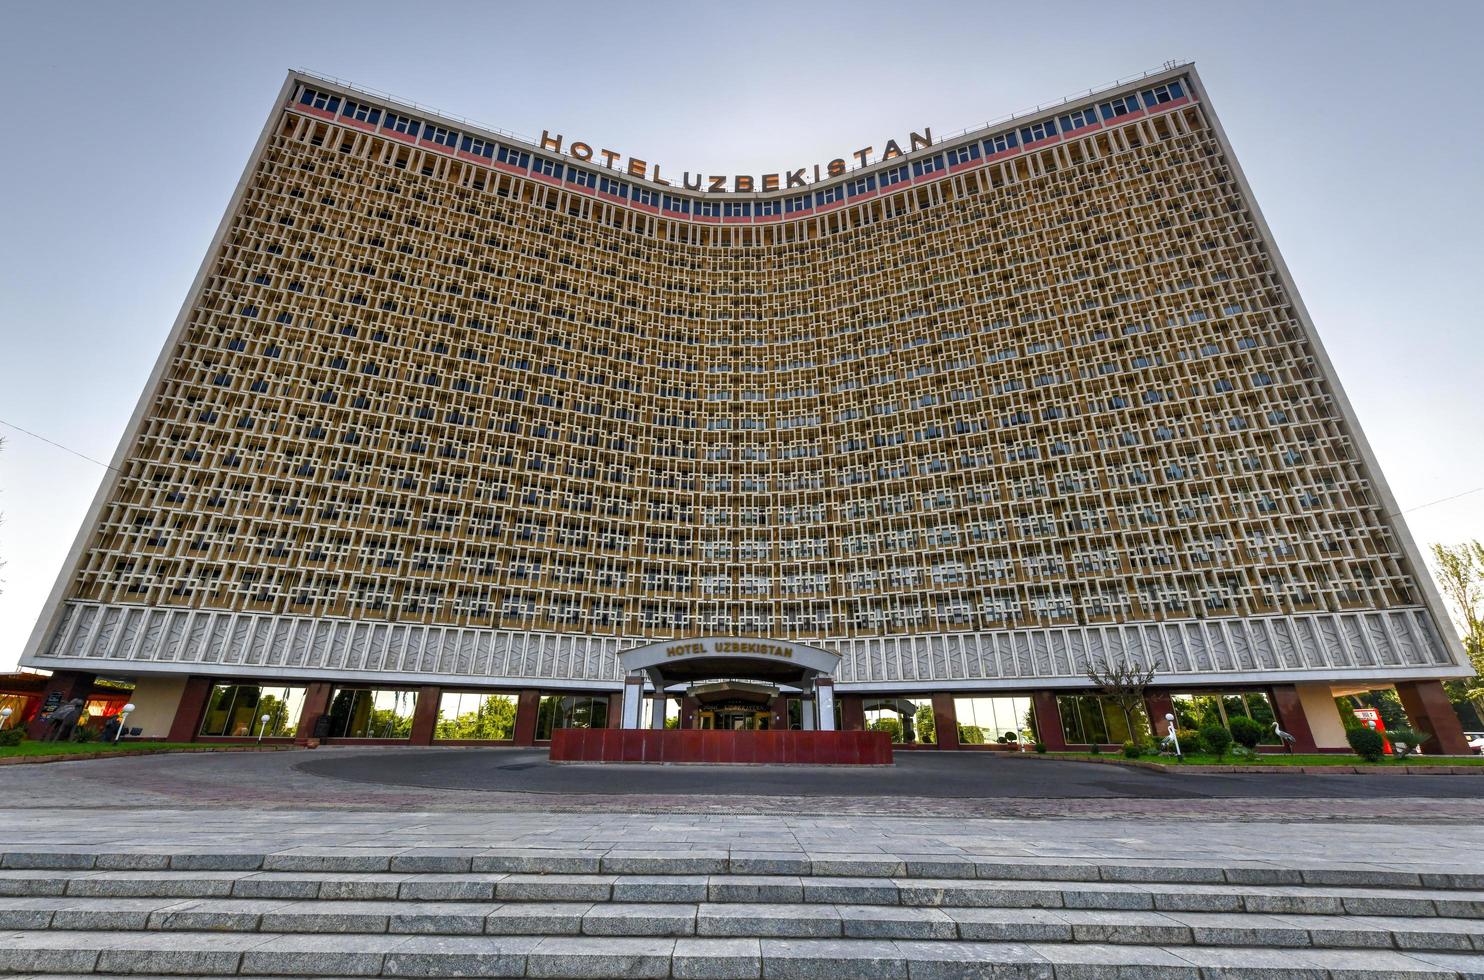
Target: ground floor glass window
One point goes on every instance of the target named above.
(236, 710)
(570, 711)
(1197, 710)
(1089, 719)
(358, 712)
(909, 721)
(989, 720)
(476, 715)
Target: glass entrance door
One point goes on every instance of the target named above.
(733, 720)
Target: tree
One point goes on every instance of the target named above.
(1123, 682)
(926, 725)
(492, 718)
(1460, 576)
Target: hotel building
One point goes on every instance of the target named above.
(458, 436)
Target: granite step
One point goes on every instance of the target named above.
(424, 860)
(773, 920)
(807, 890)
(62, 953)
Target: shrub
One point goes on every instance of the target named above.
(12, 736)
(1409, 737)
(970, 735)
(1132, 749)
(1041, 747)
(1367, 743)
(1246, 732)
(1095, 749)
(891, 726)
(1215, 739)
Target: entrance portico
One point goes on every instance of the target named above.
(732, 683)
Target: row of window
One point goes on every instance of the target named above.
(1067, 123)
(273, 711)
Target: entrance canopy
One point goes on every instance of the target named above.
(728, 657)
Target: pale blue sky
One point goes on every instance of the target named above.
(1358, 124)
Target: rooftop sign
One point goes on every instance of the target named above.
(737, 183)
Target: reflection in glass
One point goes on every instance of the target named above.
(988, 720)
(1196, 710)
(909, 721)
(475, 716)
(371, 713)
(235, 709)
(570, 711)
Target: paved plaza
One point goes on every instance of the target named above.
(474, 862)
(920, 784)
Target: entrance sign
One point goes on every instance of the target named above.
(731, 652)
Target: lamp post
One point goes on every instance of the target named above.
(123, 720)
(262, 727)
(1175, 735)
(4, 717)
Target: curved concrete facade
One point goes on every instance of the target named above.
(447, 407)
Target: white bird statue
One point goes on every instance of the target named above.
(1285, 737)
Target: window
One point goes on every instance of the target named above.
(478, 147)
(836, 193)
(476, 715)
(895, 176)
(1038, 131)
(1193, 710)
(320, 100)
(675, 205)
(909, 721)
(570, 711)
(1076, 119)
(986, 721)
(963, 154)
(513, 157)
(549, 168)
(362, 112)
(402, 124)
(441, 136)
(861, 185)
(1119, 107)
(237, 710)
(357, 712)
(737, 209)
(795, 204)
(931, 165)
(1089, 719)
(1001, 143)
(582, 178)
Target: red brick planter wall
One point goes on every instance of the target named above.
(721, 748)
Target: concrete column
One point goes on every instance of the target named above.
(1157, 704)
(526, 708)
(1048, 721)
(852, 712)
(657, 711)
(945, 721)
(316, 703)
(1428, 709)
(61, 687)
(780, 713)
(688, 708)
(806, 714)
(189, 712)
(824, 695)
(633, 701)
(1294, 704)
(425, 716)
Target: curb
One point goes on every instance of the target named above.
(1357, 770)
(22, 760)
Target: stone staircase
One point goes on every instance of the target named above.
(565, 913)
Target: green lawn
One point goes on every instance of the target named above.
(30, 748)
(1192, 759)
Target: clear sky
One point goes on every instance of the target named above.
(1358, 123)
